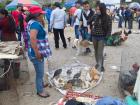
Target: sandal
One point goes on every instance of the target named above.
(43, 96)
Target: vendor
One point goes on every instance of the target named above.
(7, 26)
(8, 33)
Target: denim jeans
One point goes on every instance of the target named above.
(77, 32)
(39, 68)
(49, 26)
(18, 31)
(84, 33)
(120, 22)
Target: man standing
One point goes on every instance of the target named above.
(48, 15)
(58, 23)
(86, 20)
(121, 16)
(77, 16)
(128, 19)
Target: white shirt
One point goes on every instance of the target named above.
(58, 19)
(77, 13)
(84, 19)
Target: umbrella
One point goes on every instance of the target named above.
(134, 5)
(69, 3)
(14, 3)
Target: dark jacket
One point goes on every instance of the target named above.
(98, 26)
(89, 18)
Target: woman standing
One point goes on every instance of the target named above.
(38, 46)
(8, 33)
(102, 28)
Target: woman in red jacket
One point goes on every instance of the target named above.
(8, 33)
(7, 26)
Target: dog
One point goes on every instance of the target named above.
(81, 45)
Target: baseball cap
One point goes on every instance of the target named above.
(36, 9)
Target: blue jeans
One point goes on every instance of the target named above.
(120, 22)
(77, 32)
(18, 31)
(39, 68)
(49, 26)
(84, 33)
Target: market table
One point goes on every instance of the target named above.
(9, 52)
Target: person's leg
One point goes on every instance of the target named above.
(120, 22)
(39, 68)
(49, 28)
(19, 33)
(130, 25)
(139, 23)
(76, 28)
(100, 50)
(95, 44)
(61, 31)
(56, 37)
(125, 22)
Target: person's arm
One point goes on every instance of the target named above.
(52, 20)
(33, 39)
(109, 26)
(65, 20)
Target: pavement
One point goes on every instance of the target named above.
(23, 91)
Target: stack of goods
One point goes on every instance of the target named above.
(11, 47)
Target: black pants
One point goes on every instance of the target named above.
(58, 32)
(139, 23)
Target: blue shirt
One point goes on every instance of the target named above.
(40, 35)
(48, 14)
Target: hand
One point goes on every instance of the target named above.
(89, 31)
(38, 55)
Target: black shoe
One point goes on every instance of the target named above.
(102, 69)
(129, 32)
(65, 47)
(43, 96)
(88, 50)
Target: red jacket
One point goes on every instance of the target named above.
(6, 34)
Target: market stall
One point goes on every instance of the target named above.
(10, 55)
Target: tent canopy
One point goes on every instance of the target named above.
(14, 3)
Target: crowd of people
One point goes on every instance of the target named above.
(29, 24)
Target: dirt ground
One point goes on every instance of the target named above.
(23, 92)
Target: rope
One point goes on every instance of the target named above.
(2, 75)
